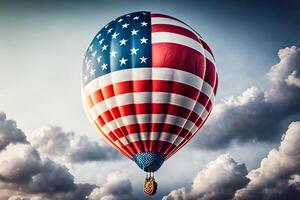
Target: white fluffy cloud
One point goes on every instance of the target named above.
(261, 112)
(278, 175)
(293, 80)
(219, 180)
(117, 187)
(58, 144)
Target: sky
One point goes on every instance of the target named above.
(256, 46)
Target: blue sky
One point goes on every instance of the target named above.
(42, 45)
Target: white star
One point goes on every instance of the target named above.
(123, 42)
(99, 58)
(144, 40)
(106, 25)
(109, 30)
(133, 51)
(134, 32)
(104, 47)
(101, 41)
(144, 13)
(144, 23)
(125, 25)
(104, 66)
(136, 18)
(98, 36)
(114, 36)
(94, 54)
(92, 72)
(91, 48)
(143, 59)
(120, 20)
(113, 53)
(128, 15)
(123, 61)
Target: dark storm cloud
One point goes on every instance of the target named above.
(22, 171)
(259, 113)
(55, 143)
(219, 180)
(9, 133)
(279, 174)
(25, 172)
(21, 162)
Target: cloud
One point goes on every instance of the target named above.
(278, 176)
(17, 198)
(24, 174)
(293, 80)
(219, 180)
(55, 143)
(9, 133)
(261, 112)
(117, 187)
(19, 163)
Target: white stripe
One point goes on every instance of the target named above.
(210, 58)
(146, 97)
(135, 74)
(208, 91)
(168, 37)
(149, 118)
(157, 136)
(163, 20)
(159, 37)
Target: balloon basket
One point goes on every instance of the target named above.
(150, 186)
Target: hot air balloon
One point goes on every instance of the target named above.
(148, 85)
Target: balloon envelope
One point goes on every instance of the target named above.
(148, 85)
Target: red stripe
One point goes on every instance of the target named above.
(210, 74)
(170, 55)
(144, 86)
(216, 84)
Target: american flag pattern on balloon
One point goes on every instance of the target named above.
(148, 83)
